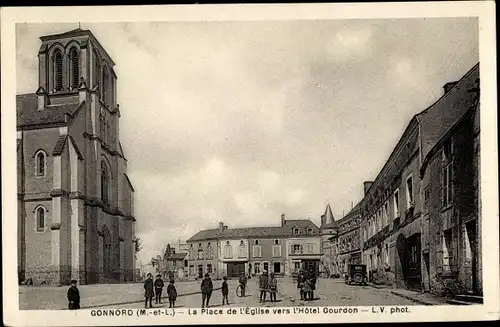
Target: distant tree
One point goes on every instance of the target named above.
(137, 245)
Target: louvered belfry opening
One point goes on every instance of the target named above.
(58, 63)
(75, 68)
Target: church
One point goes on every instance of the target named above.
(75, 200)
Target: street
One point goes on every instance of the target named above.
(329, 292)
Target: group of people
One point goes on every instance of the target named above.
(156, 289)
(268, 284)
(306, 283)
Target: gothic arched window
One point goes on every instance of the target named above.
(74, 59)
(58, 71)
(104, 86)
(104, 183)
(40, 219)
(40, 163)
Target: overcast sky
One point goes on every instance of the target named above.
(242, 121)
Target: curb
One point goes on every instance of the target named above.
(412, 299)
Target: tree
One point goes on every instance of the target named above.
(168, 251)
(137, 245)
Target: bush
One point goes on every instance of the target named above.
(380, 277)
(448, 287)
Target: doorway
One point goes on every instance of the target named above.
(235, 269)
(414, 273)
(472, 243)
(277, 267)
(200, 271)
(266, 266)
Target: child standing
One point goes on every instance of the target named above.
(172, 293)
(73, 296)
(225, 290)
(206, 290)
(149, 292)
(307, 289)
(273, 287)
(158, 288)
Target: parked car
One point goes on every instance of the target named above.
(356, 274)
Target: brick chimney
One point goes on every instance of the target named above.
(221, 226)
(283, 220)
(367, 186)
(448, 86)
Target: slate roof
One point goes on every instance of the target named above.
(28, 113)
(249, 232)
(129, 182)
(329, 218)
(437, 120)
(61, 142)
(176, 256)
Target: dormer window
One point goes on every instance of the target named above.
(309, 231)
(296, 231)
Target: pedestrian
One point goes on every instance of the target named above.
(225, 290)
(206, 291)
(149, 293)
(312, 278)
(307, 289)
(300, 284)
(243, 283)
(158, 288)
(273, 287)
(263, 286)
(73, 296)
(172, 293)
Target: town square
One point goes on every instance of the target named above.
(191, 165)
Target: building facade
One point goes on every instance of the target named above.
(451, 229)
(75, 200)
(282, 250)
(328, 229)
(346, 243)
(404, 206)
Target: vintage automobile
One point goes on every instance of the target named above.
(356, 274)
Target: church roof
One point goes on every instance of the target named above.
(29, 115)
(61, 142)
(250, 232)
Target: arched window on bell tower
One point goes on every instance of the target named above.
(105, 84)
(74, 59)
(58, 71)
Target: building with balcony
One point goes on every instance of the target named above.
(283, 249)
(75, 200)
(397, 221)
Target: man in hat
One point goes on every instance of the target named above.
(149, 292)
(263, 286)
(243, 283)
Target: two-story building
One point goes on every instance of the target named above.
(280, 249)
(451, 226)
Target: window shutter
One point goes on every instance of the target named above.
(443, 195)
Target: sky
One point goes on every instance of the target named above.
(239, 122)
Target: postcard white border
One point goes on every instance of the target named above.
(485, 10)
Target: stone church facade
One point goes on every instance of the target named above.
(75, 200)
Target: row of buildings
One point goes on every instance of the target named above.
(75, 199)
(417, 226)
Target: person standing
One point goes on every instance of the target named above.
(312, 278)
(263, 286)
(148, 288)
(273, 287)
(307, 289)
(172, 293)
(243, 283)
(206, 290)
(73, 296)
(225, 291)
(300, 284)
(158, 288)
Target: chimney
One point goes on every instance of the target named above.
(221, 226)
(282, 219)
(448, 86)
(367, 186)
(224, 227)
(43, 98)
(322, 220)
